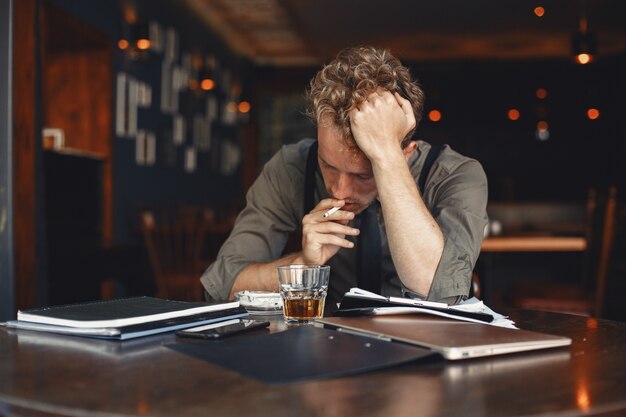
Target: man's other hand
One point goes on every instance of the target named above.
(323, 236)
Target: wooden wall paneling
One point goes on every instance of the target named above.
(25, 138)
(77, 99)
(77, 93)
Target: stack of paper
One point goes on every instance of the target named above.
(362, 302)
(124, 318)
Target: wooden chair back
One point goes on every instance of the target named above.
(592, 226)
(174, 239)
(578, 296)
(606, 247)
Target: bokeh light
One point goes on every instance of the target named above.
(541, 93)
(244, 107)
(513, 114)
(434, 115)
(583, 58)
(593, 113)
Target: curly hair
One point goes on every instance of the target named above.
(346, 81)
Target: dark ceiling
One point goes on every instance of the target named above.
(308, 32)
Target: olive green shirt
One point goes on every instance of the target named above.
(455, 194)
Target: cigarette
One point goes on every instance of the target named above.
(331, 211)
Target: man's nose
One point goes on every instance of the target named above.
(342, 188)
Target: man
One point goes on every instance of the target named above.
(366, 108)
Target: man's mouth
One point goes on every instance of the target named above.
(350, 206)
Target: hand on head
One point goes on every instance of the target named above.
(381, 122)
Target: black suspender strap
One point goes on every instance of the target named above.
(309, 179)
(431, 157)
(369, 262)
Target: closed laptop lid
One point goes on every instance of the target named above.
(451, 338)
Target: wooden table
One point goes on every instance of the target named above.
(534, 244)
(522, 243)
(44, 375)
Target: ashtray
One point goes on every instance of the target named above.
(260, 302)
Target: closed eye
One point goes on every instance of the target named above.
(326, 163)
(361, 177)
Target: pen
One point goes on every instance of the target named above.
(331, 211)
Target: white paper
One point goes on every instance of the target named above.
(472, 305)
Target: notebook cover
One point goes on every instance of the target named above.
(117, 312)
(301, 353)
(451, 338)
(135, 330)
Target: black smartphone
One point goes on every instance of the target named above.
(222, 329)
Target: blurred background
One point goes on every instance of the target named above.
(131, 131)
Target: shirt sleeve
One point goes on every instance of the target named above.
(273, 210)
(456, 195)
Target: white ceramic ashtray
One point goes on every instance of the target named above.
(260, 302)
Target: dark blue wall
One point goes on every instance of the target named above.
(165, 184)
(580, 153)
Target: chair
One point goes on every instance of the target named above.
(218, 226)
(614, 266)
(582, 297)
(174, 240)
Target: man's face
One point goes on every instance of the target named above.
(347, 173)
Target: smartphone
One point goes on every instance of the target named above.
(222, 329)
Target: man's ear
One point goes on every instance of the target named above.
(410, 148)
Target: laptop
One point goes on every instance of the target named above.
(452, 339)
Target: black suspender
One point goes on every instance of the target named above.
(309, 179)
(368, 250)
(365, 254)
(431, 157)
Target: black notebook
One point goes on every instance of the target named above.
(118, 312)
(124, 318)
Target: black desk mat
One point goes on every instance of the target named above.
(301, 353)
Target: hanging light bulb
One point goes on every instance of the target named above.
(584, 45)
(142, 36)
(207, 83)
(207, 74)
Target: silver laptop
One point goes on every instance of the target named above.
(451, 338)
